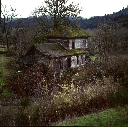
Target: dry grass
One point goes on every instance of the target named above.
(101, 87)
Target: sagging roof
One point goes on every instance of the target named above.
(46, 47)
(56, 50)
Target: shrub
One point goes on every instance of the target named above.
(35, 118)
(22, 119)
(25, 102)
(31, 82)
(119, 97)
(124, 81)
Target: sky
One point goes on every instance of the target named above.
(90, 7)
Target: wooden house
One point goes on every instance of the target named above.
(58, 53)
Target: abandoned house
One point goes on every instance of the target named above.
(58, 53)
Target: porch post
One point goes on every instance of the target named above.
(77, 60)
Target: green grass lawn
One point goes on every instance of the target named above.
(3, 61)
(4, 71)
(115, 117)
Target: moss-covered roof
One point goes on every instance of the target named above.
(57, 50)
(64, 31)
(46, 47)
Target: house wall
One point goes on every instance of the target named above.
(83, 59)
(72, 43)
(59, 64)
(86, 41)
(77, 61)
(78, 43)
(65, 63)
(63, 42)
(73, 61)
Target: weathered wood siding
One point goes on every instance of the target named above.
(63, 42)
(78, 43)
(27, 59)
(77, 61)
(71, 43)
(73, 61)
(58, 64)
(65, 63)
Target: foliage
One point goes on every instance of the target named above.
(29, 82)
(101, 68)
(58, 11)
(55, 17)
(109, 38)
(119, 97)
(63, 97)
(3, 72)
(3, 49)
(35, 117)
(22, 119)
(25, 102)
(5, 23)
(5, 92)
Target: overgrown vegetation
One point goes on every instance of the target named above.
(74, 94)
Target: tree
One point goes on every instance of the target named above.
(56, 15)
(6, 23)
(104, 38)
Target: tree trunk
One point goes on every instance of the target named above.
(7, 43)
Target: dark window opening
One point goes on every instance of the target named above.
(77, 59)
(82, 59)
(73, 45)
(69, 62)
